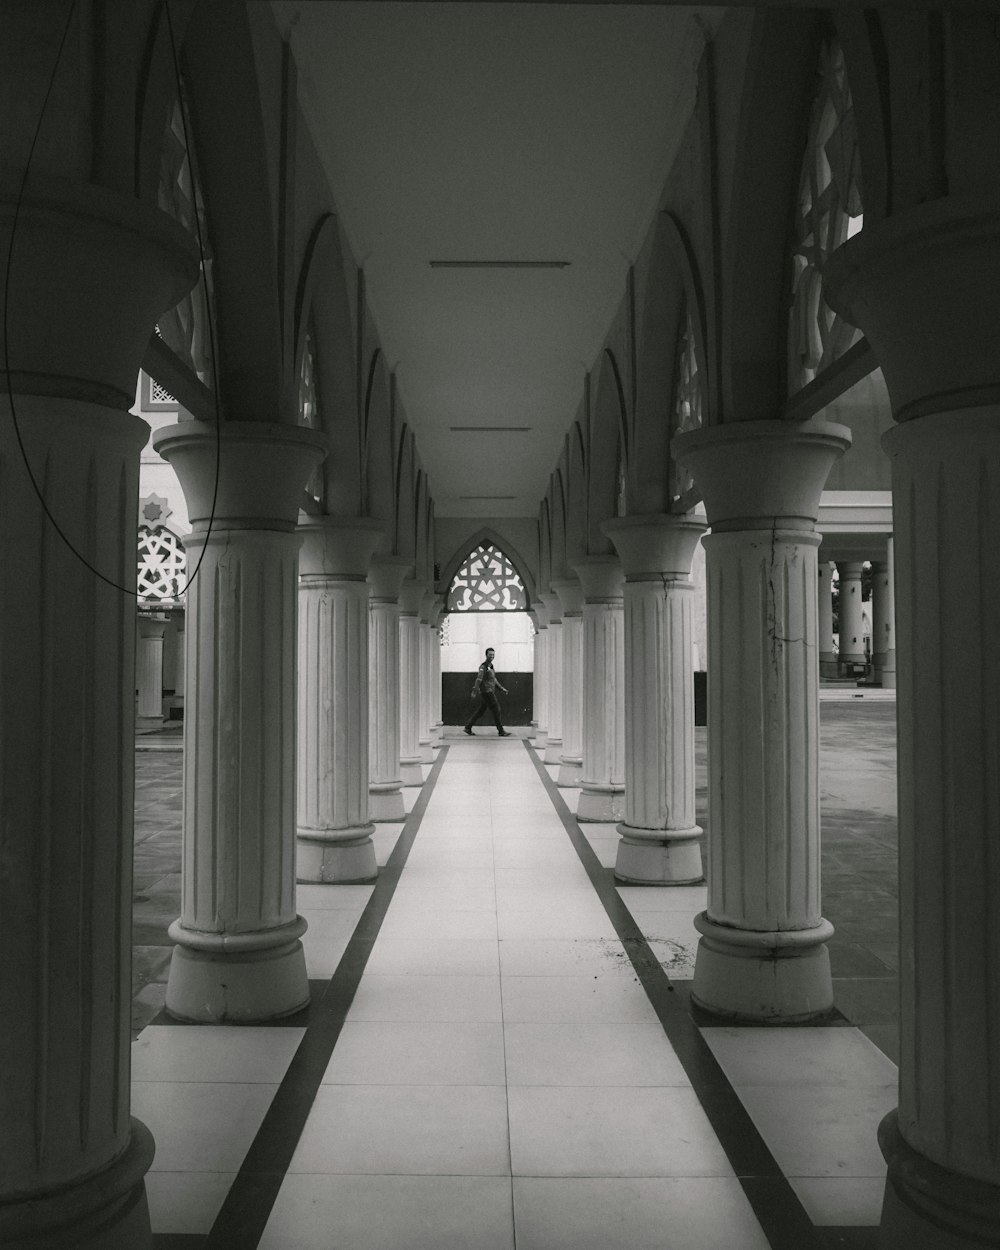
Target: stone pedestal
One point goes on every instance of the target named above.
(851, 617)
(602, 779)
(884, 621)
(238, 956)
(149, 670)
(410, 755)
(571, 759)
(659, 833)
(554, 680)
(762, 954)
(824, 599)
(88, 275)
(385, 789)
(333, 829)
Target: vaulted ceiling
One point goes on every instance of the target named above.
(525, 146)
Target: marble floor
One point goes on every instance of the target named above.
(500, 1049)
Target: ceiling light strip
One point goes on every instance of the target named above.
(469, 497)
(500, 264)
(490, 429)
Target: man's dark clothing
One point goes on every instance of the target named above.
(486, 682)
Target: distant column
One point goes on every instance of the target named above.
(410, 755)
(602, 780)
(851, 615)
(333, 827)
(539, 678)
(824, 592)
(436, 709)
(763, 954)
(426, 723)
(149, 668)
(884, 621)
(554, 680)
(238, 955)
(659, 835)
(385, 791)
(571, 760)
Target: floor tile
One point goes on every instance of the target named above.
(409, 1130)
(185, 1202)
(845, 1201)
(390, 1212)
(692, 1213)
(417, 1053)
(406, 920)
(559, 920)
(591, 1054)
(646, 898)
(433, 998)
(200, 1126)
(586, 957)
(574, 1000)
(585, 1131)
(792, 1056)
(439, 956)
(316, 897)
(240, 1053)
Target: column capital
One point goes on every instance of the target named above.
(337, 546)
(539, 613)
(601, 578)
(386, 575)
(570, 594)
(753, 474)
(411, 596)
(922, 286)
(262, 468)
(553, 606)
(655, 545)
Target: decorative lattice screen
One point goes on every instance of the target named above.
(161, 563)
(487, 582)
(309, 409)
(687, 408)
(829, 212)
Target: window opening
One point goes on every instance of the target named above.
(309, 411)
(687, 407)
(161, 564)
(829, 212)
(487, 582)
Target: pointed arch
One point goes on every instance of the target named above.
(608, 450)
(487, 536)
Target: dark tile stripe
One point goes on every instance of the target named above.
(775, 1204)
(247, 1207)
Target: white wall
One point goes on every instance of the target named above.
(470, 633)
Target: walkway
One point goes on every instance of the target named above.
(495, 1055)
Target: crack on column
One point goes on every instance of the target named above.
(772, 608)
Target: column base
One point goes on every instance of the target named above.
(411, 772)
(828, 664)
(659, 856)
(336, 856)
(600, 804)
(385, 803)
(553, 751)
(106, 1211)
(776, 977)
(233, 977)
(927, 1207)
(540, 740)
(570, 771)
(427, 751)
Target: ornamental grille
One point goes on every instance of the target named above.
(161, 563)
(487, 582)
(308, 398)
(158, 395)
(829, 212)
(687, 408)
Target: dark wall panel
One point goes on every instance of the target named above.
(515, 707)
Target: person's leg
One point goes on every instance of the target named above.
(483, 705)
(495, 709)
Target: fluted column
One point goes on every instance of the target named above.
(410, 596)
(571, 760)
(238, 955)
(554, 680)
(385, 791)
(602, 778)
(762, 954)
(426, 724)
(851, 615)
(659, 835)
(884, 621)
(539, 678)
(149, 668)
(824, 593)
(333, 829)
(436, 708)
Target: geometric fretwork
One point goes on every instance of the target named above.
(161, 563)
(828, 213)
(486, 582)
(687, 406)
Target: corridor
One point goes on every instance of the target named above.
(496, 1056)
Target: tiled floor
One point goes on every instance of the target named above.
(501, 1074)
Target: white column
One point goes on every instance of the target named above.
(437, 713)
(659, 835)
(385, 791)
(180, 655)
(410, 770)
(333, 828)
(554, 680)
(426, 734)
(824, 598)
(851, 615)
(238, 955)
(571, 758)
(539, 678)
(71, 1160)
(149, 669)
(884, 621)
(602, 779)
(762, 954)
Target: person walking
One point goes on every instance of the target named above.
(486, 684)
